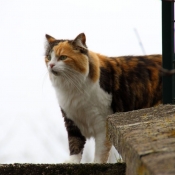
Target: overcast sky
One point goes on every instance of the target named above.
(31, 127)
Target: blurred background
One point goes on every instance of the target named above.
(31, 126)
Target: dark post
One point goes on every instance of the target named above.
(168, 49)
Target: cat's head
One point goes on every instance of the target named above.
(67, 57)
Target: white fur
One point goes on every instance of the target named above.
(74, 158)
(114, 156)
(84, 102)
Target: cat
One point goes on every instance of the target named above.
(90, 86)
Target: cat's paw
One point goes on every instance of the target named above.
(74, 159)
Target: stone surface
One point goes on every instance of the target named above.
(145, 139)
(62, 169)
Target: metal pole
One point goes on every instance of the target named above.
(168, 49)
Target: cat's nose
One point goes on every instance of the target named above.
(51, 65)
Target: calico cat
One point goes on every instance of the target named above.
(90, 86)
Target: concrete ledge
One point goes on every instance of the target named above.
(145, 139)
(62, 169)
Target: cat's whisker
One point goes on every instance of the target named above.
(75, 73)
(72, 82)
(77, 81)
(77, 84)
(75, 76)
(72, 74)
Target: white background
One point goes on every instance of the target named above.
(31, 126)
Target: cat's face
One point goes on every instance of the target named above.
(67, 58)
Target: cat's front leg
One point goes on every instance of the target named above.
(102, 148)
(76, 140)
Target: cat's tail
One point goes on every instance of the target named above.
(166, 72)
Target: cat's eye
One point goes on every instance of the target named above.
(62, 57)
(49, 57)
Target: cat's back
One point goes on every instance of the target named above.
(134, 81)
(130, 62)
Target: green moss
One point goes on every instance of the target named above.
(62, 169)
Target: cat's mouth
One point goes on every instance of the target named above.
(54, 72)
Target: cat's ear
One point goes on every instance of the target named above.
(80, 41)
(50, 39)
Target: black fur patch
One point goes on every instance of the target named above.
(133, 84)
(75, 138)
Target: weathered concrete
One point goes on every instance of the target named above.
(145, 139)
(63, 169)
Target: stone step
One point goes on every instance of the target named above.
(63, 169)
(145, 139)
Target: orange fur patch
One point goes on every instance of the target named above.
(94, 73)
